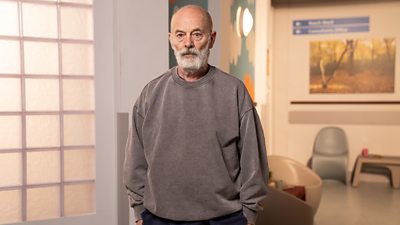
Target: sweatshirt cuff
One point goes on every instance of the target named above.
(250, 215)
(137, 210)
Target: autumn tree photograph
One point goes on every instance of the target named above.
(353, 66)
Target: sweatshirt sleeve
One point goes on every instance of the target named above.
(254, 165)
(135, 165)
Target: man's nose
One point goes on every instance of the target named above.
(188, 41)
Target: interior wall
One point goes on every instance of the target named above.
(290, 77)
(141, 54)
(262, 78)
(142, 47)
(214, 8)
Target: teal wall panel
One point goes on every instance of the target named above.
(243, 66)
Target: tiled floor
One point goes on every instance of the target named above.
(369, 204)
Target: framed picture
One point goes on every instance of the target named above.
(349, 58)
(347, 66)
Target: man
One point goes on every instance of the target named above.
(198, 153)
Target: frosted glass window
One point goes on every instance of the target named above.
(39, 20)
(9, 57)
(79, 1)
(43, 167)
(47, 125)
(43, 131)
(10, 169)
(78, 94)
(9, 18)
(10, 132)
(43, 203)
(77, 59)
(10, 206)
(41, 58)
(79, 165)
(79, 130)
(42, 94)
(79, 199)
(10, 95)
(76, 23)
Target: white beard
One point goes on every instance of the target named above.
(196, 60)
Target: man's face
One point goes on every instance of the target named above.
(191, 39)
(191, 59)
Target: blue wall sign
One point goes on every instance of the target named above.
(331, 26)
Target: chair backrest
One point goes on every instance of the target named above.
(291, 171)
(295, 173)
(331, 141)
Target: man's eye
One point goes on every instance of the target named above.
(197, 35)
(180, 35)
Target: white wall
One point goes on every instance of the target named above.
(290, 83)
(142, 47)
(141, 54)
(262, 78)
(214, 8)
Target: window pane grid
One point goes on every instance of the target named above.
(65, 112)
(82, 181)
(64, 148)
(11, 188)
(46, 39)
(45, 76)
(33, 38)
(9, 37)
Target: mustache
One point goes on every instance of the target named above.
(189, 52)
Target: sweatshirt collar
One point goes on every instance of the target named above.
(207, 77)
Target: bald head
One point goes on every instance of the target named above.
(191, 37)
(191, 13)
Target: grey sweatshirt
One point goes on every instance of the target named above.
(197, 150)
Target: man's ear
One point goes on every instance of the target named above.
(213, 36)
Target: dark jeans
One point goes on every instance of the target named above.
(236, 218)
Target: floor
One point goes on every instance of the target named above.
(368, 204)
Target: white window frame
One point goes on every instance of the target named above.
(106, 185)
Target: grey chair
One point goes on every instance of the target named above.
(292, 172)
(330, 154)
(281, 208)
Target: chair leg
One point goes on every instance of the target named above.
(395, 171)
(356, 174)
